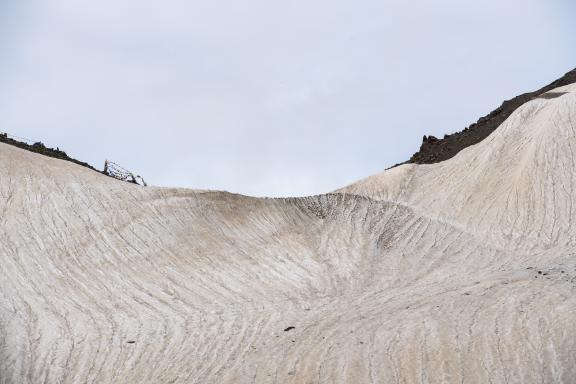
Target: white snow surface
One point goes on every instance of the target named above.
(458, 272)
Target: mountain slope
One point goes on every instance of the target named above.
(461, 271)
(435, 150)
(517, 184)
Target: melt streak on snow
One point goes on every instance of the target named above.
(458, 272)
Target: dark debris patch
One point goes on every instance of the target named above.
(289, 329)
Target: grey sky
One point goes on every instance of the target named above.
(263, 97)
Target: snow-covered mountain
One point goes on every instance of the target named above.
(463, 271)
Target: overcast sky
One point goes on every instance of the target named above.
(262, 97)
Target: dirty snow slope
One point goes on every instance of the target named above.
(456, 272)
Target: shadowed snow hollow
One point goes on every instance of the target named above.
(456, 272)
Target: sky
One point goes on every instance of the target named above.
(263, 97)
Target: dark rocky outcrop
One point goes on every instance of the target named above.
(434, 150)
(43, 150)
